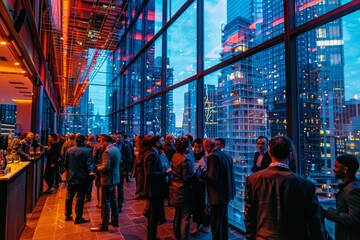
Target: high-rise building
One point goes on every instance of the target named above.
(241, 112)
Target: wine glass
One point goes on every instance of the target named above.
(31, 152)
(16, 160)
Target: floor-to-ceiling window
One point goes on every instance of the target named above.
(217, 68)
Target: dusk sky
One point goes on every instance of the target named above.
(215, 15)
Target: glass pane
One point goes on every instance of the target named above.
(136, 37)
(181, 41)
(307, 10)
(154, 18)
(153, 68)
(173, 6)
(237, 102)
(231, 28)
(153, 116)
(328, 75)
(134, 81)
(135, 123)
(181, 117)
(123, 53)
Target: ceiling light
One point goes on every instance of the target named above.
(3, 43)
(21, 100)
(16, 63)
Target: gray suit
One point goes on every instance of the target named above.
(109, 169)
(110, 166)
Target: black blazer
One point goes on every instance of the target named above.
(265, 162)
(220, 177)
(154, 175)
(282, 205)
(347, 213)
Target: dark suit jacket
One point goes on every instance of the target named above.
(265, 162)
(154, 175)
(220, 178)
(281, 205)
(78, 164)
(110, 174)
(347, 213)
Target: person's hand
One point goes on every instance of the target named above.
(168, 171)
(52, 165)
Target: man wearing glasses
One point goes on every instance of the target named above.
(261, 159)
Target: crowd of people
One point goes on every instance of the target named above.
(196, 177)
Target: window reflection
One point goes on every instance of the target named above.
(181, 41)
(153, 68)
(181, 114)
(153, 116)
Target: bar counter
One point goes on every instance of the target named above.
(34, 182)
(13, 201)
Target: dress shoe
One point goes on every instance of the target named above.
(114, 224)
(81, 220)
(99, 229)
(68, 219)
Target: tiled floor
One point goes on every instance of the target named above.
(47, 220)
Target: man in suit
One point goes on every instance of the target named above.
(125, 166)
(78, 164)
(261, 159)
(154, 184)
(280, 204)
(347, 213)
(97, 155)
(219, 177)
(110, 176)
(169, 147)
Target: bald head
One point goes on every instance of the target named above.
(209, 145)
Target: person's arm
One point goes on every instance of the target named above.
(314, 222)
(211, 174)
(250, 212)
(152, 161)
(21, 152)
(89, 161)
(350, 218)
(105, 162)
(187, 170)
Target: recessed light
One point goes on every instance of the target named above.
(16, 64)
(3, 43)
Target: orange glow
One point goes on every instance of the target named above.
(136, 36)
(235, 38)
(65, 23)
(309, 4)
(151, 15)
(253, 25)
(21, 101)
(149, 36)
(227, 48)
(277, 22)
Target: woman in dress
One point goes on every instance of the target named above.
(180, 192)
(200, 218)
